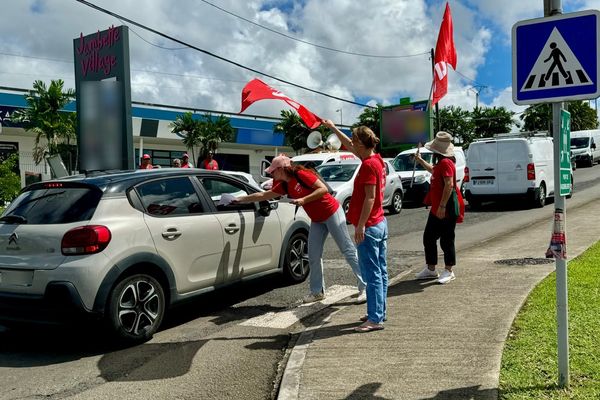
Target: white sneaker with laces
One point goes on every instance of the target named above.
(446, 276)
(427, 274)
(311, 298)
(362, 297)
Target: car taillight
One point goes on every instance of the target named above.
(466, 178)
(87, 239)
(530, 172)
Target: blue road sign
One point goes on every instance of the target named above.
(556, 58)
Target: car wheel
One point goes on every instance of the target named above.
(136, 308)
(540, 196)
(396, 205)
(346, 207)
(296, 267)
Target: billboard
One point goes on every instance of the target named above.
(405, 124)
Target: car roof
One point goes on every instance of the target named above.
(118, 181)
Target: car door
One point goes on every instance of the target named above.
(186, 234)
(390, 183)
(483, 167)
(252, 239)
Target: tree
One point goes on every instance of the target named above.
(458, 122)
(489, 121)
(294, 130)
(213, 132)
(44, 117)
(538, 117)
(370, 117)
(10, 181)
(189, 128)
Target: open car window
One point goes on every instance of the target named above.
(216, 187)
(170, 197)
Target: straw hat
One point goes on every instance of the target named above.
(442, 144)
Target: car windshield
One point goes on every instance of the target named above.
(405, 162)
(310, 164)
(58, 205)
(337, 172)
(579, 143)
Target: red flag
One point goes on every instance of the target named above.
(258, 90)
(445, 54)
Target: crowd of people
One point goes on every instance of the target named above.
(366, 252)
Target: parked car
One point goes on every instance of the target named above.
(340, 176)
(509, 166)
(124, 247)
(416, 179)
(244, 176)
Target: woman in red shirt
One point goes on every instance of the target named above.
(440, 225)
(308, 191)
(370, 226)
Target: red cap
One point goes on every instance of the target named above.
(146, 157)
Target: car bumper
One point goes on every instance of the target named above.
(416, 193)
(529, 195)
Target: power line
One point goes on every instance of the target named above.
(118, 16)
(313, 44)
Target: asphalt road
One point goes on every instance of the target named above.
(225, 345)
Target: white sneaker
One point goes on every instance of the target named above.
(446, 276)
(427, 274)
(362, 297)
(311, 298)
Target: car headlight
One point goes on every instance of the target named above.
(420, 179)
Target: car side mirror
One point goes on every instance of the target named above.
(594, 146)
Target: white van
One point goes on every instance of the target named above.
(585, 147)
(510, 166)
(404, 164)
(310, 160)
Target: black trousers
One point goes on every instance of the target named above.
(442, 229)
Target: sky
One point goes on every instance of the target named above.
(36, 42)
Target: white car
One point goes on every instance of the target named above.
(340, 176)
(123, 247)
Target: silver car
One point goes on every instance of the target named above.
(124, 247)
(340, 176)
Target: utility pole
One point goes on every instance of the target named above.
(437, 107)
(554, 7)
(340, 110)
(476, 89)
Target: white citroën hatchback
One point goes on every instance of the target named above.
(125, 246)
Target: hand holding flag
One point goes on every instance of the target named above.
(258, 90)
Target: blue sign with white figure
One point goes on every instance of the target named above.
(556, 58)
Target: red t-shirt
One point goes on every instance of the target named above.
(211, 164)
(318, 210)
(443, 169)
(186, 165)
(371, 172)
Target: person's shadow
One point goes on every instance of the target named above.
(366, 392)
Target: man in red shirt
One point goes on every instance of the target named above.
(209, 162)
(186, 161)
(146, 162)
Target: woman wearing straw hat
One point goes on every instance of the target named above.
(440, 224)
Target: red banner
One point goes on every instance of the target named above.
(445, 54)
(258, 90)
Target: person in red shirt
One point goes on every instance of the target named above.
(308, 191)
(146, 162)
(440, 224)
(185, 161)
(209, 162)
(370, 226)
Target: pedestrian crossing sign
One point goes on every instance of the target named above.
(556, 58)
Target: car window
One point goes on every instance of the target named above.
(55, 205)
(216, 187)
(337, 172)
(171, 196)
(405, 162)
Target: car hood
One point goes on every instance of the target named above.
(338, 185)
(409, 174)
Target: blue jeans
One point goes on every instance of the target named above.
(336, 225)
(372, 254)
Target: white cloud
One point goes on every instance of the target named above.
(390, 27)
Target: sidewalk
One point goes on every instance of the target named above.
(440, 341)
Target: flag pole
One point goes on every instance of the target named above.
(437, 108)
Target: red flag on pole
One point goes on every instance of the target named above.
(258, 90)
(445, 54)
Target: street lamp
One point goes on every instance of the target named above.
(476, 89)
(341, 115)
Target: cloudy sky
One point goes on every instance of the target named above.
(36, 43)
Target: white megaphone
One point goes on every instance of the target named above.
(314, 140)
(333, 142)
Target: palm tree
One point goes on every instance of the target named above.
(214, 132)
(294, 129)
(190, 129)
(44, 117)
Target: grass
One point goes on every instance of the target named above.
(530, 360)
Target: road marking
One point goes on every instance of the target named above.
(287, 318)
